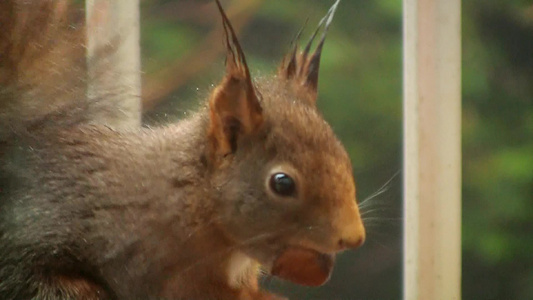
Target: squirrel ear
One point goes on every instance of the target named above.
(301, 69)
(234, 106)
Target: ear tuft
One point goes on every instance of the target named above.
(234, 106)
(301, 68)
(289, 63)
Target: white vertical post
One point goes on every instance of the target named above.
(432, 149)
(113, 53)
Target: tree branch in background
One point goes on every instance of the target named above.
(159, 85)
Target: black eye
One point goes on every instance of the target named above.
(282, 184)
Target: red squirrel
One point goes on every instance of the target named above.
(192, 210)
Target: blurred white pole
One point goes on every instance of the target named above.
(432, 149)
(113, 55)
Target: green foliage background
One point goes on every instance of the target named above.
(361, 96)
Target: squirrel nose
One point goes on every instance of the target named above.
(353, 236)
(351, 243)
(351, 233)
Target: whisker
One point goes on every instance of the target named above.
(367, 202)
(382, 219)
(370, 211)
(380, 191)
(385, 187)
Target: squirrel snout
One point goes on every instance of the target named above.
(351, 243)
(351, 232)
(353, 239)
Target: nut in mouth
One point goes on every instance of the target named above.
(303, 266)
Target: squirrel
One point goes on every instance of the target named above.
(256, 179)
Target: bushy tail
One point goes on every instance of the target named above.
(43, 77)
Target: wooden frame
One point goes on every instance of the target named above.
(115, 74)
(432, 149)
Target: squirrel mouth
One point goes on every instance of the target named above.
(303, 266)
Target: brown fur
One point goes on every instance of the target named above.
(178, 212)
(72, 287)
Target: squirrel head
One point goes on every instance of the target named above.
(284, 181)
